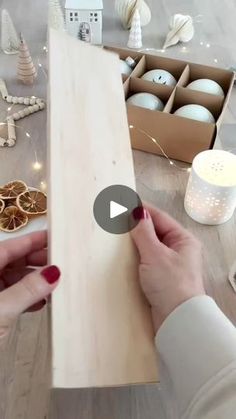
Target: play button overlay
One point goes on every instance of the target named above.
(113, 209)
(116, 209)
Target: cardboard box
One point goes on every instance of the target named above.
(180, 138)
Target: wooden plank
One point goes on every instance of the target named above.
(102, 331)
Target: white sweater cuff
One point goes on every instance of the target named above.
(195, 342)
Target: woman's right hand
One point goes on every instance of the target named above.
(170, 262)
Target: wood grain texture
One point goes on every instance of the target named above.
(24, 366)
(102, 329)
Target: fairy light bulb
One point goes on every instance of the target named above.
(43, 186)
(37, 165)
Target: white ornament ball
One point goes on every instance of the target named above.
(160, 76)
(196, 112)
(21, 100)
(27, 101)
(146, 100)
(125, 68)
(206, 86)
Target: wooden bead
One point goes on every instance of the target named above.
(15, 100)
(9, 99)
(26, 100)
(36, 108)
(2, 142)
(32, 101)
(11, 142)
(38, 101)
(31, 109)
(26, 111)
(21, 100)
(16, 116)
(22, 113)
(41, 106)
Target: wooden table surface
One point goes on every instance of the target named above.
(25, 366)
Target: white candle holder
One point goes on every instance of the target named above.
(211, 192)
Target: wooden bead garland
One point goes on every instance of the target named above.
(33, 104)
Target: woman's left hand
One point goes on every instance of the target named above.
(22, 287)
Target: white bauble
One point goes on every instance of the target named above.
(146, 100)
(160, 76)
(196, 112)
(126, 9)
(206, 86)
(125, 68)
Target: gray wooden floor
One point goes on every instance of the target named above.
(25, 366)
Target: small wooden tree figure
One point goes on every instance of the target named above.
(10, 41)
(135, 37)
(26, 71)
(56, 18)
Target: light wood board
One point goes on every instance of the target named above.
(24, 364)
(102, 330)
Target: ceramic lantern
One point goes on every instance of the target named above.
(211, 192)
(84, 19)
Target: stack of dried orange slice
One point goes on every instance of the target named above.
(18, 204)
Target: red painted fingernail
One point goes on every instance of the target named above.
(140, 213)
(51, 274)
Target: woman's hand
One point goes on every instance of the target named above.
(171, 262)
(22, 287)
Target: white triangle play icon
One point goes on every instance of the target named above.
(116, 209)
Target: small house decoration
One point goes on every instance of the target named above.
(84, 19)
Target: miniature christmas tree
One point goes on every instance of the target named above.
(135, 37)
(10, 40)
(55, 15)
(26, 71)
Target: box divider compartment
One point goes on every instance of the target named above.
(137, 85)
(186, 97)
(184, 77)
(220, 76)
(175, 67)
(180, 138)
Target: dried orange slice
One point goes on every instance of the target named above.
(12, 189)
(32, 202)
(2, 206)
(12, 219)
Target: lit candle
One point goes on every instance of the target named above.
(211, 192)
